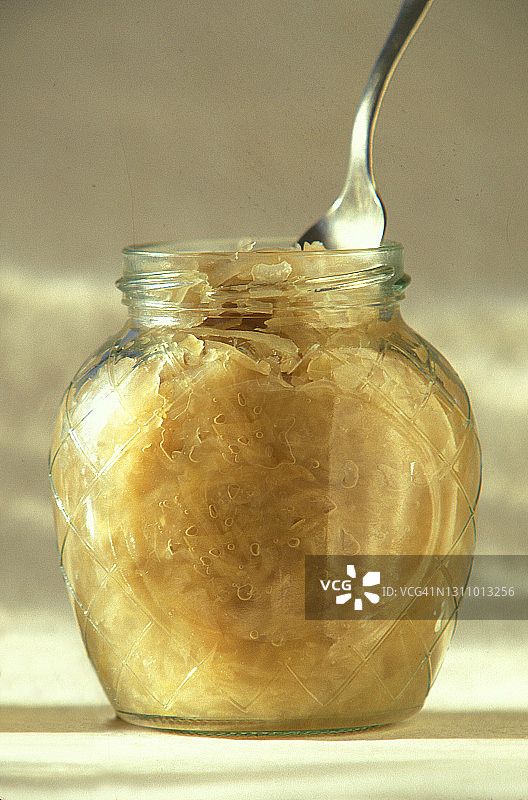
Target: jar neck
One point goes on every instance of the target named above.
(188, 287)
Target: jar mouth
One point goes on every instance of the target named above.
(245, 254)
(257, 275)
(238, 247)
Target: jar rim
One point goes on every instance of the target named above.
(238, 247)
(220, 273)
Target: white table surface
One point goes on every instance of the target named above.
(59, 737)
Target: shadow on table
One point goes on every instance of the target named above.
(425, 725)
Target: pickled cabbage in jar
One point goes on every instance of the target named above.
(240, 422)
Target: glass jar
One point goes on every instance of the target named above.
(261, 405)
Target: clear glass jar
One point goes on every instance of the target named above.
(260, 405)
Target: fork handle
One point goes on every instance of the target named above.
(407, 22)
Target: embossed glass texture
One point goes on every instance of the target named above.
(259, 405)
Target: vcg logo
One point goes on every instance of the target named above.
(343, 588)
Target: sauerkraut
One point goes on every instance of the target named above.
(196, 465)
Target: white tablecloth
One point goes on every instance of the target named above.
(59, 738)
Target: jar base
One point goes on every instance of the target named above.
(266, 728)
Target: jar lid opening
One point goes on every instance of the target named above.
(236, 247)
(257, 275)
(250, 259)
